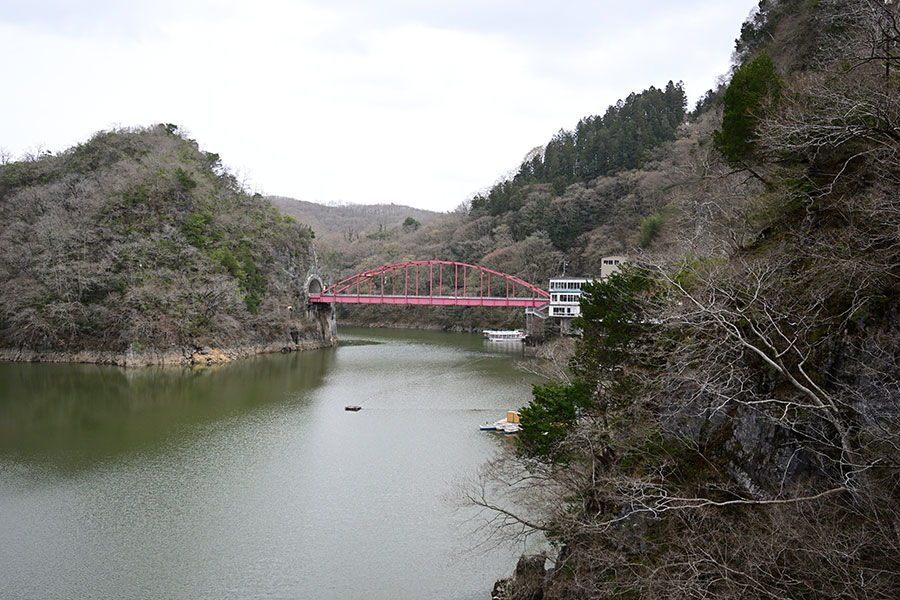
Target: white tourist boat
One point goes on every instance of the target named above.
(504, 335)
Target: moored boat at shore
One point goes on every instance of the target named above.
(511, 421)
(504, 335)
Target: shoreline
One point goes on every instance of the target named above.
(185, 356)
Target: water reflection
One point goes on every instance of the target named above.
(73, 415)
(516, 349)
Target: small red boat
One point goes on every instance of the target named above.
(352, 407)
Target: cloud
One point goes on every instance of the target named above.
(397, 101)
(129, 21)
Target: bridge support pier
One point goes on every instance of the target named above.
(322, 316)
(534, 324)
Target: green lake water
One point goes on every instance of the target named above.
(250, 480)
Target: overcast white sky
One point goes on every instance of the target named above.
(418, 102)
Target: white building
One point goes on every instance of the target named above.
(565, 292)
(564, 295)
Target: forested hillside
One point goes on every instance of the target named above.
(728, 425)
(137, 242)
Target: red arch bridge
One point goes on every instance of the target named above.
(434, 282)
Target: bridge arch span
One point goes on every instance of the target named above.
(436, 283)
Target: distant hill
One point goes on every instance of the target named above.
(350, 221)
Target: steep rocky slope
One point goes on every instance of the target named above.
(730, 429)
